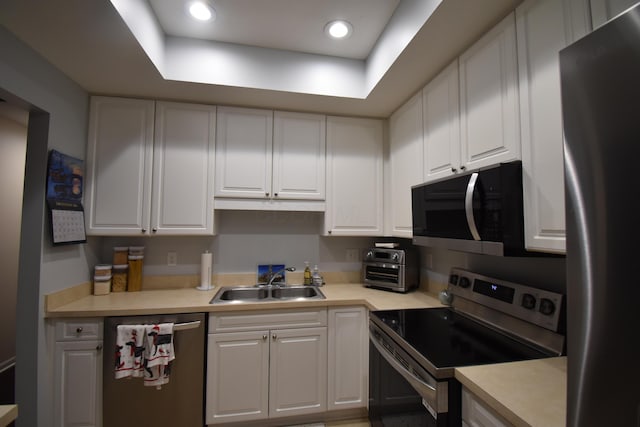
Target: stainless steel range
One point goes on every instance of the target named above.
(413, 353)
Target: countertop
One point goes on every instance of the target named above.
(530, 393)
(8, 413)
(193, 300)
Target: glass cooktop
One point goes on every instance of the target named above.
(448, 339)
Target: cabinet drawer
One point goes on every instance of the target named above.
(81, 329)
(252, 320)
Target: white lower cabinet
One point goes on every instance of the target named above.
(348, 383)
(78, 373)
(266, 365)
(476, 413)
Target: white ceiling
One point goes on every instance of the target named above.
(90, 42)
(295, 25)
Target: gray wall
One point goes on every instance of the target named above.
(58, 120)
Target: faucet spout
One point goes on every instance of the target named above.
(277, 274)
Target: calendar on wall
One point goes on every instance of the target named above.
(64, 199)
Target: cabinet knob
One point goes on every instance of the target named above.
(155, 230)
(99, 347)
(274, 336)
(453, 169)
(275, 194)
(462, 168)
(266, 194)
(79, 330)
(264, 337)
(144, 230)
(329, 231)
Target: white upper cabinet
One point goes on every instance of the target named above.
(244, 153)
(183, 162)
(441, 123)
(406, 158)
(489, 129)
(269, 156)
(544, 27)
(604, 10)
(299, 155)
(141, 184)
(354, 177)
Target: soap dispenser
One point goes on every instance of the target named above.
(307, 274)
(316, 278)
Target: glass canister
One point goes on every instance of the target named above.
(119, 278)
(134, 282)
(101, 285)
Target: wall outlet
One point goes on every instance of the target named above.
(172, 259)
(353, 255)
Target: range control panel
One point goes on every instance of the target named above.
(530, 304)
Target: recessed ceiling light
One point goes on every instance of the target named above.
(338, 29)
(201, 11)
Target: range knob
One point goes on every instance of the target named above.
(395, 257)
(453, 279)
(369, 254)
(464, 282)
(528, 301)
(547, 307)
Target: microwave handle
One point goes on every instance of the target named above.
(468, 205)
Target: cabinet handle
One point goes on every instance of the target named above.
(79, 330)
(264, 337)
(99, 347)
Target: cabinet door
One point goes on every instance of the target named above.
(298, 372)
(78, 383)
(299, 156)
(348, 351)
(244, 146)
(544, 27)
(441, 123)
(605, 10)
(119, 157)
(406, 156)
(183, 169)
(476, 413)
(354, 177)
(237, 377)
(489, 129)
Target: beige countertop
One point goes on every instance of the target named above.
(8, 413)
(530, 393)
(193, 300)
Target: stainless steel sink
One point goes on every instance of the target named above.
(276, 293)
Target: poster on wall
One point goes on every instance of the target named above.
(64, 199)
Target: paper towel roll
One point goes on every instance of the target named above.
(205, 271)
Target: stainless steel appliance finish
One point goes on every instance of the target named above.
(478, 211)
(391, 269)
(127, 402)
(414, 352)
(600, 81)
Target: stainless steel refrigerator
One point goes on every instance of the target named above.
(600, 80)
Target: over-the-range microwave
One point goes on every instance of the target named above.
(478, 211)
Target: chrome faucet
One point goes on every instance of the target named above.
(277, 273)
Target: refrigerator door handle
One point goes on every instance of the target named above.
(468, 206)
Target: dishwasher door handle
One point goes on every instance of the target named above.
(186, 325)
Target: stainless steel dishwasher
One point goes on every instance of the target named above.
(127, 402)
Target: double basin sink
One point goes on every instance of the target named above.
(266, 294)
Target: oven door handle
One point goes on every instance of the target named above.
(425, 390)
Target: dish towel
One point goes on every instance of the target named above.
(158, 354)
(130, 346)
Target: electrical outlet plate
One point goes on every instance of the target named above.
(353, 255)
(172, 259)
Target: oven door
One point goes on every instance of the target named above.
(400, 392)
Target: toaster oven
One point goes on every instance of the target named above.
(391, 269)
